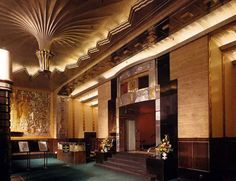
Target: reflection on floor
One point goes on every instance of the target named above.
(57, 170)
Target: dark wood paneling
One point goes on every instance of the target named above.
(163, 69)
(194, 154)
(185, 154)
(200, 155)
(211, 159)
(168, 105)
(195, 175)
(111, 116)
(114, 89)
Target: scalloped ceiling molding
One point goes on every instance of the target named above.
(200, 27)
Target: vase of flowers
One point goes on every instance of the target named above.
(164, 148)
(105, 145)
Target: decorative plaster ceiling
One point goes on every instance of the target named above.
(84, 35)
(68, 28)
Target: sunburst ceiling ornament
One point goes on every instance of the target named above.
(62, 27)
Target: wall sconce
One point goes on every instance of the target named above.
(5, 70)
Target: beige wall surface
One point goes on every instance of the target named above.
(104, 94)
(216, 89)
(230, 97)
(81, 118)
(189, 65)
(74, 118)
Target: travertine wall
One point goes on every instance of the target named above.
(78, 118)
(104, 94)
(189, 64)
(230, 94)
(215, 89)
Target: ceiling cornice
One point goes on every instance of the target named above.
(138, 22)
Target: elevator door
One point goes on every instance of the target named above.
(130, 135)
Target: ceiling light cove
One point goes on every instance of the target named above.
(199, 27)
(203, 24)
(88, 96)
(84, 87)
(93, 102)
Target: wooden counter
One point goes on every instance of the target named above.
(72, 157)
(71, 152)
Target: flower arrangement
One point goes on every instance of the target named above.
(105, 145)
(164, 147)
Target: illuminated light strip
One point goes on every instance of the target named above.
(93, 50)
(215, 17)
(93, 102)
(85, 57)
(103, 42)
(83, 87)
(120, 28)
(88, 96)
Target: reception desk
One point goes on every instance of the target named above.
(71, 152)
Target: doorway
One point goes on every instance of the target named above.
(130, 135)
(137, 126)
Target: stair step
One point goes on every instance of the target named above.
(140, 174)
(130, 157)
(134, 168)
(136, 155)
(128, 162)
(131, 163)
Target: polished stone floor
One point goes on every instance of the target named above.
(59, 171)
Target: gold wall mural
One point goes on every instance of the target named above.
(30, 112)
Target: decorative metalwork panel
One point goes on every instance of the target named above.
(136, 70)
(146, 94)
(135, 94)
(30, 112)
(62, 119)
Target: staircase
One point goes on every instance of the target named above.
(131, 163)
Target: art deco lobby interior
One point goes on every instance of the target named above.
(118, 90)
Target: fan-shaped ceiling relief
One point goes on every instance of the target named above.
(63, 30)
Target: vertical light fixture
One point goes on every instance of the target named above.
(44, 57)
(5, 90)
